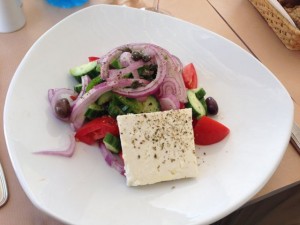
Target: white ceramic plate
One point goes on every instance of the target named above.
(83, 189)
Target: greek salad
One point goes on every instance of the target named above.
(131, 79)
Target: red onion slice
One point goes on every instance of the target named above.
(122, 83)
(58, 93)
(85, 80)
(177, 63)
(169, 102)
(67, 152)
(51, 94)
(153, 86)
(112, 160)
(130, 68)
(107, 59)
(173, 84)
(135, 74)
(126, 59)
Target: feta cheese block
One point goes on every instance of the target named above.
(158, 146)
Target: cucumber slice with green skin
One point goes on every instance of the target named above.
(200, 93)
(128, 75)
(93, 74)
(150, 105)
(94, 82)
(114, 108)
(133, 105)
(78, 88)
(203, 102)
(98, 68)
(120, 105)
(85, 69)
(197, 107)
(116, 64)
(112, 143)
(105, 98)
(95, 111)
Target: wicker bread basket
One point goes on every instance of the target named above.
(287, 33)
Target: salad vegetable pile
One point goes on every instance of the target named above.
(132, 78)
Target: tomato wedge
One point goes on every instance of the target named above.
(73, 97)
(182, 105)
(189, 76)
(93, 58)
(121, 155)
(208, 131)
(96, 129)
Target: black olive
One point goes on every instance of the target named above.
(153, 67)
(147, 72)
(63, 108)
(146, 58)
(212, 106)
(136, 56)
(136, 84)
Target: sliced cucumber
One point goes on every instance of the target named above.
(78, 88)
(112, 143)
(114, 108)
(98, 68)
(120, 105)
(150, 105)
(85, 69)
(203, 102)
(197, 107)
(200, 93)
(94, 111)
(105, 98)
(128, 75)
(116, 64)
(93, 82)
(128, 105)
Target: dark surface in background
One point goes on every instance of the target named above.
(280, 209)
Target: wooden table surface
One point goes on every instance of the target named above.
(236, 20)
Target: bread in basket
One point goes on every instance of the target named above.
(287, 33)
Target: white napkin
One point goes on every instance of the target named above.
(280, 9)
(3, 188)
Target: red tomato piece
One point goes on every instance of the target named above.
(73, 97)
(121, 155)
(208, 131)
(96, 129)
(182, 105)
(194, 121)
(93, 58)
(190, 77)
